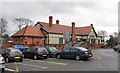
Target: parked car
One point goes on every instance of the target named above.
(75, 53)
(12, 54)
(117, 48)
(52, 51)
(36, 52)
(20, 47)
(2, 63)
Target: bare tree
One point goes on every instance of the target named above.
(3, 26)
(22, 21)
(102, 34)
(115, 34)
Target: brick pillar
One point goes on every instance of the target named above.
(73, 32)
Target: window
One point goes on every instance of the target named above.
(73, 49)
(66, 50)
(32, 50)
(98, 41)
(77, 39)
(93, 41)
(60, 40)
(28, 50)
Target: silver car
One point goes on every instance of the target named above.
(2, 64)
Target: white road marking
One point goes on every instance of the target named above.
(96, 56)
(32, 65)
(57, 63)
(10, 69)
(16, 66)
(81, 61)
(48, 62)
(35, 60)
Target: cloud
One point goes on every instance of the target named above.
(103, 15)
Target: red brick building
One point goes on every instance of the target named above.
(29, 35)
(52, 34)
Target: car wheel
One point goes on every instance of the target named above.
(21, 60)
(77, 57)
(46, 57)
(7, 60)
(3, 69)
(35, 57)
(58, 56)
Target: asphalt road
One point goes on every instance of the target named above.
(103, 60)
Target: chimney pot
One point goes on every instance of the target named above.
(57, 22)
(91, 24)
(50, 21)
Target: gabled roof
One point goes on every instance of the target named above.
(55, 28)
(61, 28)
(29, 31)
(83, 30)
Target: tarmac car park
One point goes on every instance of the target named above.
(93, 58)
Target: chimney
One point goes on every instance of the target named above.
(73, 32)
(57, 22)
(50, 21)
(91, 24)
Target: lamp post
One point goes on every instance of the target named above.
(43, 41)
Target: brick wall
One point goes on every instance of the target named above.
(7, 44)
(28, 41)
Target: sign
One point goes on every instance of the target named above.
(66, 35)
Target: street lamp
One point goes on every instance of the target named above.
(43, 41)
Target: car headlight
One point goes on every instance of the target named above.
(86, 53)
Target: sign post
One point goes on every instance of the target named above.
(66, 35)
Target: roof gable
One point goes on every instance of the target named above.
(61, 28)
(29, 31)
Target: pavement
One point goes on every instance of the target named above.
(102, 60)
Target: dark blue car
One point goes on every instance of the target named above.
(74, 53)
(20, 47)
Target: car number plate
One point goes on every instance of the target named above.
(44, 55)
(17, 57)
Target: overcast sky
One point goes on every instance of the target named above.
(102, 14)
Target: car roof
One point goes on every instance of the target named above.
(11, 48)
(38, 47)
(51, 47)
(78, 47)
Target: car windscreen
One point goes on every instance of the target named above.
(82, 49)
(53, 49)
(41, 49)
(15, 51)
(19, 46)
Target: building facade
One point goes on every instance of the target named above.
(53, 34)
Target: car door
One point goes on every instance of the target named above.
(26, 53)
(65, 53)
(73, 52)
(32, 52)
